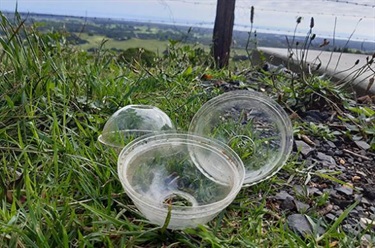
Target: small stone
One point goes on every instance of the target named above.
(356, 178)
(305, 149)
(339, 212)
(367, 241)
(326, 209)
(300, 190)
(332, 192)
(339, 153)
(299, 224)
(369, 192)
(362, 144)
(349, 228)
(367, 222)
(288, 204)
(331, 217)
(325, 158)
(353, 212)
(282, 195)
(346, 190)
(315, 191)
(365, 201)
(330, 153)
(360, 210)
(342, 161)
(301, 207)
(361, 152)
(332, 167)
(343, 204)
(331, 144)
(357, 197)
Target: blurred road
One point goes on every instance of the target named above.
(340, 67)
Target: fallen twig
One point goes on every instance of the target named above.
(356, 154)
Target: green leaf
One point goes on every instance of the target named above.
(188, 71)
(338, 221)
(9, 101)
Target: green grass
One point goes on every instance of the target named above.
(59, 185)
(94, 41)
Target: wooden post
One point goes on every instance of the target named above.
(223, 30)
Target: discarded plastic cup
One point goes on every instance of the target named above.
(133, 121)
(159, 173)
(253, 125)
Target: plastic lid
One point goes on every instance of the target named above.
(134, 121)
(253, 125)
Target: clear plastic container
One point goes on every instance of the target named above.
(133, 121)
(253, 125)
(162, 170)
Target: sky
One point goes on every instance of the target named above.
(273, 16)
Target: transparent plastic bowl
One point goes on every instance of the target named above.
(133, 121)
(253, 125)
(161, 170)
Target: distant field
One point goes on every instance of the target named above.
(95, 41)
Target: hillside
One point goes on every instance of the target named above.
(60, 186)
(86, 30)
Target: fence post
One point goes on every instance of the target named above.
(223, 30)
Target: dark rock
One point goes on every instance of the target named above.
(301, 207)
(316, 115)
(339, 153)
(360, 210)
(342, 203)
(345, 190)
(330, 153)
(339, 212)
(365, 201)
(288, 204)
(300, 225)
(357, 197)
(327, 160)
(331, 144)
(305, 149)
(361, 152)
(349, 229)
(354, 212)
(331, 192)
(300, 190)
(282, 195)
(369, 192)
(337, 208)
(315, 191)
(362, 144)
